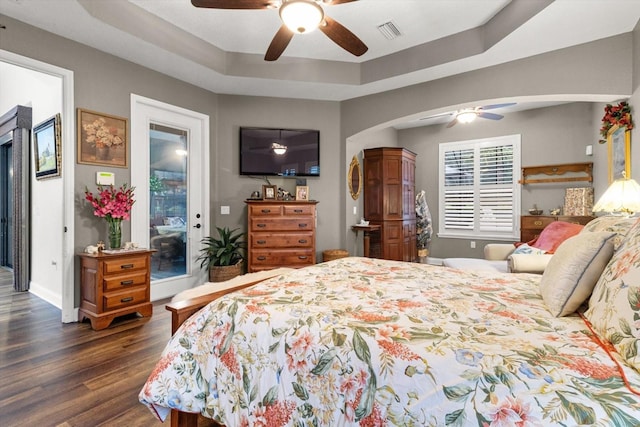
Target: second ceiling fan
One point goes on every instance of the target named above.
(298, 17)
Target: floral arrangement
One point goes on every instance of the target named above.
(100, 135)
(110, 203)
(615, 115)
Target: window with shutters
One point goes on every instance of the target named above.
(479, 191)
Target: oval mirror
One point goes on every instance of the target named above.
(354, 178)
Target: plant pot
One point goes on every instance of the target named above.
(225, 272)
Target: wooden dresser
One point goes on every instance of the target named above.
(532, 225)
(113, 285)
(280, 234)
(389, 202)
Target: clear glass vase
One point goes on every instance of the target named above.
(115, 233)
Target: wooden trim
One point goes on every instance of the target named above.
(556, 171)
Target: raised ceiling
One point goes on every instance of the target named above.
(222, 50)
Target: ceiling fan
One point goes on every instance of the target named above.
(467, 115)
(298, 16)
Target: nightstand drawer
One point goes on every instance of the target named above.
(123, 265)
(124, 281)
(134, 296)
(281, 240)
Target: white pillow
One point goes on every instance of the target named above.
(574, 270)
(529, 250)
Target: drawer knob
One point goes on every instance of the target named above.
(302, 241)
(262, 258)
(126, 282)
(297, 210)
(127, 299)
(537, 223)
(302, 257)
(261, 225)
(126, 266)
(266, 210)
(302, 225)
(261, 242)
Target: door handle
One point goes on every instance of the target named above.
(197, 226)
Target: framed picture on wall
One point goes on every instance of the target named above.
(47, 148)
(102, 139)
(619, 149)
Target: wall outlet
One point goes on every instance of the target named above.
(473, 244)
(355, 210)
(225, 210)
(589, 150)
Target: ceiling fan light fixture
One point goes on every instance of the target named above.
(279, 149)
(466, 116)
(301, 16)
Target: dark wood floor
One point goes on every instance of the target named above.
(55, 374)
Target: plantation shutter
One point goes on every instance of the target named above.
(458, 195)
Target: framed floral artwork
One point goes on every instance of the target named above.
(619, 149)
(102, 139)
(47, 148)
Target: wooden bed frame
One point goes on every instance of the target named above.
(181, 311)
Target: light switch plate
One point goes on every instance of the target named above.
(225, 210)
(105, 178)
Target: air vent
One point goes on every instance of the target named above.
(389, 30)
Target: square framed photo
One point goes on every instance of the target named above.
(302, 192)
(47, 148)
(102, 139)
(269, 192)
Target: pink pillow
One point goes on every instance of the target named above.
(554, 234)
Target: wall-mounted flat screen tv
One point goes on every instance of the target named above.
(282, 152)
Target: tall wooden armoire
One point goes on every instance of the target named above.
(389, 201)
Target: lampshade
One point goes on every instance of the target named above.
(622, 196)
(301, 16)
(466, 116)
(279, 149)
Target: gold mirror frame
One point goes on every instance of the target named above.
(619, 153)
(354, 179)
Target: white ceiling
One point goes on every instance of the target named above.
(222, 50)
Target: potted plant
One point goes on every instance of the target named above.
(223, 256)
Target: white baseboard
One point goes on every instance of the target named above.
(45, 294)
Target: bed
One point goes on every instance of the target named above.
(359, 341)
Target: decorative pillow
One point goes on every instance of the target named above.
(529, 250)
(614, 306)
(614, 224)
(554, 234)
(573, 271)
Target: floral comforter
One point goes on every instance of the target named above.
(369, 342)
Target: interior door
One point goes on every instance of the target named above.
(6, 201)
(169, 170)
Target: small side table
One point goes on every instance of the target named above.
(368, 229)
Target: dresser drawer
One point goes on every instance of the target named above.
(281, 224)
(132, 296)
(120, 265)
(265, 210)
(535, 222)
(282, 257)
(299, 210)
(124, 281)
(281, 240)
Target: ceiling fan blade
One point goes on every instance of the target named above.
(490, 116)
(492, 106)
(452, 123)
(336, 2)
(233, 4)
(343, 37)
(279, 43)
(435, 116)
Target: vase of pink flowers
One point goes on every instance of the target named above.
(114, 205)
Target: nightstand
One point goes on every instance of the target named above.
(114, 284)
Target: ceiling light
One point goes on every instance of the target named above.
(279, 149)
(301, 16)
(466, 116)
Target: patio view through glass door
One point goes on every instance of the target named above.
(168, 189)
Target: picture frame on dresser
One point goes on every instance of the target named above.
(619, 153)
(302, 192)
(269, 192)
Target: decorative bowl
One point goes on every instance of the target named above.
(535, 211)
